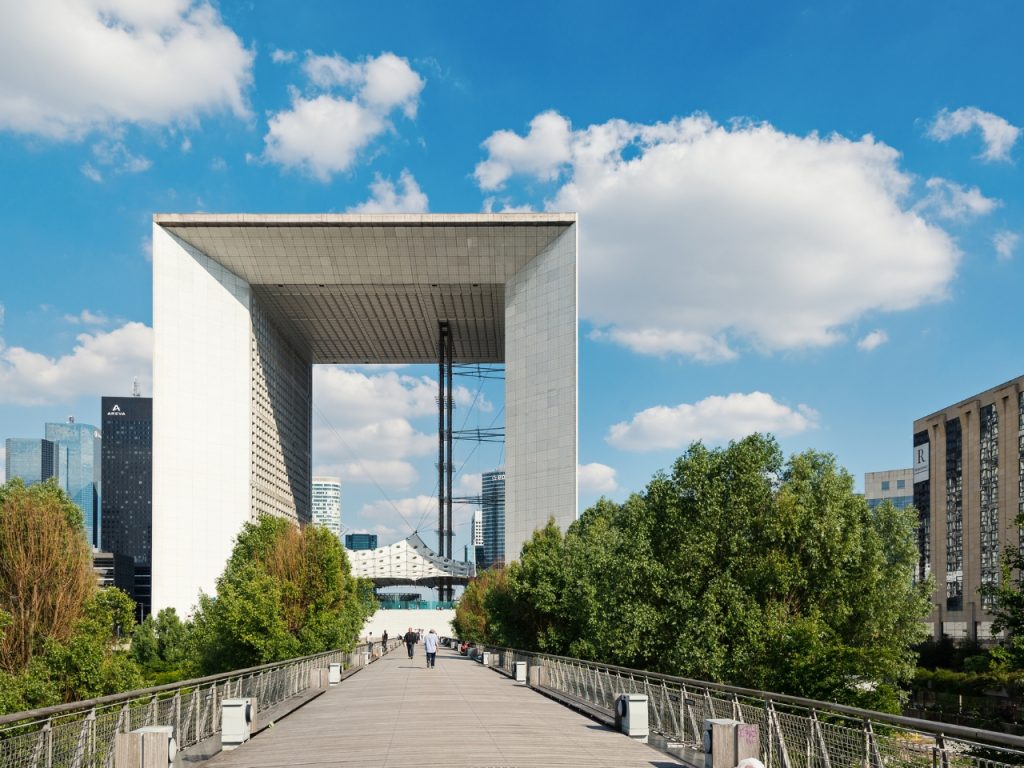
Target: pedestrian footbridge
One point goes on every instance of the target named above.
(505, 708)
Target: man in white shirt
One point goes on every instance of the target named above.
(430, 646)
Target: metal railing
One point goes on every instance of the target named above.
(82, 734)
(795, 732)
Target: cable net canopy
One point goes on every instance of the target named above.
(409, 561)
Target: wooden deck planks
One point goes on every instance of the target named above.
(457, 715)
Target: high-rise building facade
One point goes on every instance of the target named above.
(492, 487)
(895, 485)
(127, 502)
(81, 475)
(360, 541)
(326, 503)
(968, 489)
(478, 528)
(32, 459)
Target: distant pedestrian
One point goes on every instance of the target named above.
(430, 646)
(369, 645)
(384, 643)
(410, 640)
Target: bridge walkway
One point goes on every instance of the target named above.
(397, 712)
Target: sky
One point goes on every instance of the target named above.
(799, 218)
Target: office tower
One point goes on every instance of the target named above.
(326, 503)
(895, 485)
(81, 476)
(493, 517)
(127, 503)
(358, 541)
(477, 539)
(32, 459)
(968, 491)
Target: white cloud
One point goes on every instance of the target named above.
(468, 484)
(714, 419)
(948, 200)
(186, 145)
(87, 317)
(323, 135)
(597, 478)
(997, 133)
(112, 153)
(368, 436)
(101, 362)
(1005, 243)
(396, 519)
(541, 153)
(386, 197)
(387, 473)
(91, 173)
(702, 238)
(279, 56)
(873, 340)
(71, 66)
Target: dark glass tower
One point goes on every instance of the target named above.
(493, 498)
(127, 472)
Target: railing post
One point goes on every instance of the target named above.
(783, 749)
(816, 730)
(83, 739)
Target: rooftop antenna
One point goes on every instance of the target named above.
(136, 392)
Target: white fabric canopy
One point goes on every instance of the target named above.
(409, 561)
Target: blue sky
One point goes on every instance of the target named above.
(802, 218)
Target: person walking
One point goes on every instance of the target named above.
(430, 646)
(369, 644)
(410, 641)
(384, 643)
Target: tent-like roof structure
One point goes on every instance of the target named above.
(409, 561)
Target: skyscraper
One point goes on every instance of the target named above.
(493, 488)
(477, 541)
(81, 478)
(895, 485)
(32, 459)
(327, 504)
(360, 541)
(127, 503)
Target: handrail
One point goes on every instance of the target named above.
(114, 698)
(917, 724)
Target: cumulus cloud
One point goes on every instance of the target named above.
(323, 133)
(363, 431)
(950, 201)
(87, 317)
(714, 419)
(1005, 243)
(71, 66)
(100, 362)
(388, 197)
(701, 238)
(279, 56)
(997, 133)
(541, 153)
(393, 473)
(873, 340)
(596, 478)
(395, 519)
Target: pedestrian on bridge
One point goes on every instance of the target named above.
(430, 646)
(384, 643)
(410, 640)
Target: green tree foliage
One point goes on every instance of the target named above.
(284, 593)
(1008, 607)
(739, 567)
(161, 646)
(61, 638)
(46, 572)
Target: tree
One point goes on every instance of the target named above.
(738, 567)
(1007, 598)
(46, 572)
(285, 592)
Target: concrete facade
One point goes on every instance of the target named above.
(895, 485)
(969, 479)
(244, 305)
